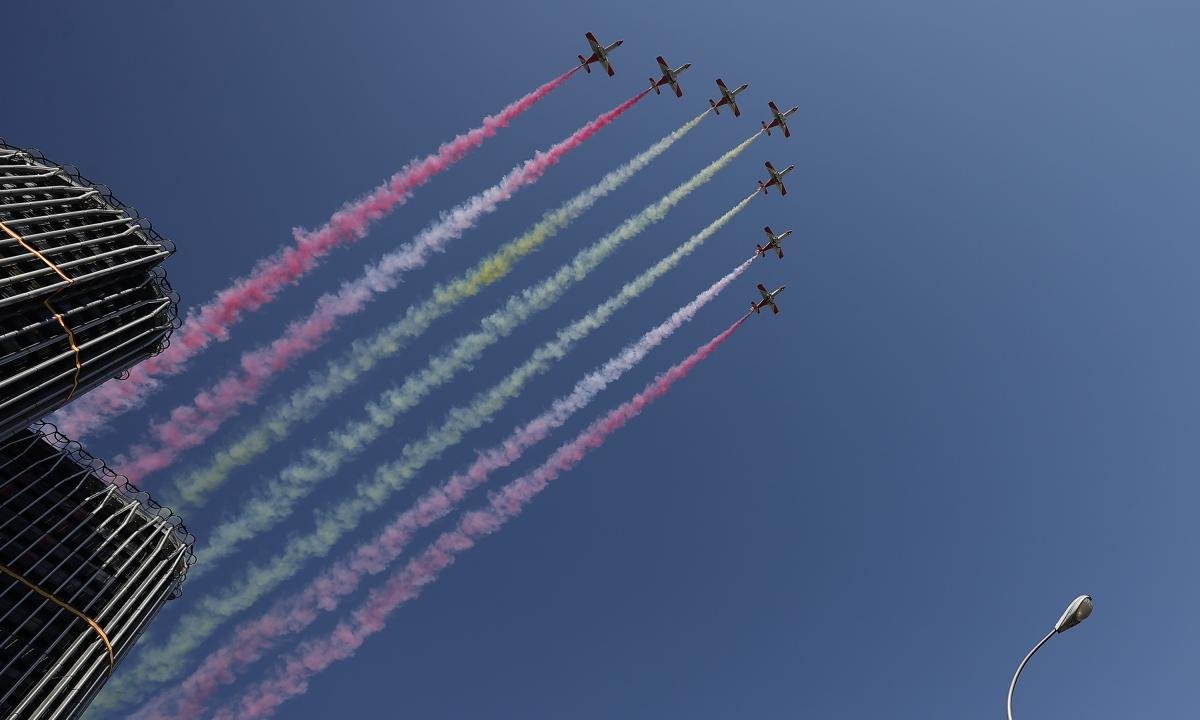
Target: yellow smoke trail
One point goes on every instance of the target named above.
(165, 662)
(193, 488)
(279, 496)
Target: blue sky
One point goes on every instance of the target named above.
(978, 402)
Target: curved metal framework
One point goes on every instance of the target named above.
(88, 560)
(82, 296)
(114, 327)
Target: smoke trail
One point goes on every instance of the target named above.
(291, 677)
(164, 662)
(189, 425)
(213, 320)
(298, 479)
(248, 643)
(340, 374)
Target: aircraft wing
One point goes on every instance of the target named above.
(596, 47)
(770, 234)
(774, 109)
(762, 290)
(774, 308)
(771, 169)
(721, 84)
(786, 133)
(678, 90)
(664, 66)
(782, 188)
(608, 66)
(736, 112)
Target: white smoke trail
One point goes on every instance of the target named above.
(250, 641)
(193, 488)
(291, 676)
(165, 662)
(281, 494)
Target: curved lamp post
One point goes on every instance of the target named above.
(1075, 613)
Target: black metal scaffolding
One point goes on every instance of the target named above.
(86, 561)
(82, 298)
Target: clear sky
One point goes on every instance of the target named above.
(979, 401)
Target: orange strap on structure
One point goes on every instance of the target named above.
(71, 341)
(57, 316)
(33, 250)
(112, 656)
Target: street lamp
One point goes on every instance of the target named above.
(1075, 613)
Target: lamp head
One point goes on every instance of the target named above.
(1076, 613)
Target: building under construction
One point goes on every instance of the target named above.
(86, 561)
(82, 297)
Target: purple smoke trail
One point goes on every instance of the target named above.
(213, 320)
(291, 679)
(250, 640)
(191, 424)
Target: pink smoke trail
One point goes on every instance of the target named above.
(249, 641)
(189, 425)
(291, 678)
(213, 320)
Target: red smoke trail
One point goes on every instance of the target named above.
(189, 425)
(292, 677)
(213, 320)
(249, 641)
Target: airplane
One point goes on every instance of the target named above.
(669, 76)
(768, 298)
(780, 119)
(728, 97)
(599, 54)
(776, 179)
(775, 243)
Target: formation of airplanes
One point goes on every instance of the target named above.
(668, 76)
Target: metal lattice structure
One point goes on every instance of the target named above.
(82, 298)
(112, 327)
(86, 562)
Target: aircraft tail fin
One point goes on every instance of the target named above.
(767, 129)
(586, 68)
(762, 188)
(654, 86)
(760, 250)
(714, 106)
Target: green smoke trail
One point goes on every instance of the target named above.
(193, 488)
(166, 662)
(298, 479)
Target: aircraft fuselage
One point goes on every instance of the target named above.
(599, 54)
(768, 301)
(775, 242)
